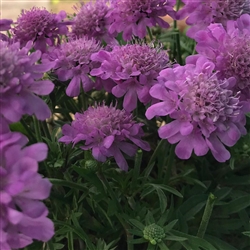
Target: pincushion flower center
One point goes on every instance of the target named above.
(238, 58)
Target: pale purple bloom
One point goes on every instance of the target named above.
(202, 13)
(20, 83)
(108, 132)
(229, 49)
(5, 24)
(134, 69)
(23, 216)
(91, 21)
(73, 62)
(132, 17)
(41, 27)
(206, 113)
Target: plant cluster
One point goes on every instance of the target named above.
(119, 131)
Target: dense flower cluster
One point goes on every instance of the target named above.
(91, 21)
(72, 62)
(20, 81)
(41, 27)
(229, 49)
(206, 113)
(132, 17)
(134, 69)
(23, 217)
(108, 131)
(202, 13)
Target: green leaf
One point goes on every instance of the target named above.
(175, 238)
(193, 205)
(167, 188)
(194, 241)
(231, 163)
(246, 233)
(219, 243)
(162, 199)
(170, 225)
(69, 184)
(137, 224)
(137, 241)
(162, 246)
(236, 205)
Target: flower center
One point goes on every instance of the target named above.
(141, 57)
(78, 52)
(206, 98)
(238, 60)
(9, 72)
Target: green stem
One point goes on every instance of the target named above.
(206, 215)
(29, 131)
(102, 177)
(46, 129)
(37, 129)
(155, 153)
(150, 34)
(170, 163)
(136, 170)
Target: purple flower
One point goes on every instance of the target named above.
(72, 62)
(229, 49)
(132, 17)
(5, 24)
(91, 21)
(8, 138)
(23, 217)
(108, 131)
(205, 112)
(20, 83)
(134, 68)
(202, 13)
(41, 27)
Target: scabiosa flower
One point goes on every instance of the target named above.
(132, 17)
(23, 216)
(108, 132)
(91, 21)
(73, 62)
(20, 82)
(229, 49)
(41, 27)
(204, 12)
(134, 68)
(205, 112)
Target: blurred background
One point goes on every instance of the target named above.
(11, 9)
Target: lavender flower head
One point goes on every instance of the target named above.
(91, 21)
(229, 49)
(202, 13)
(205, 112)
(73, 62)
(41, 27)
(20, 83)
(132, 17)
(134, 69)
(108, 132)
(23, 217)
